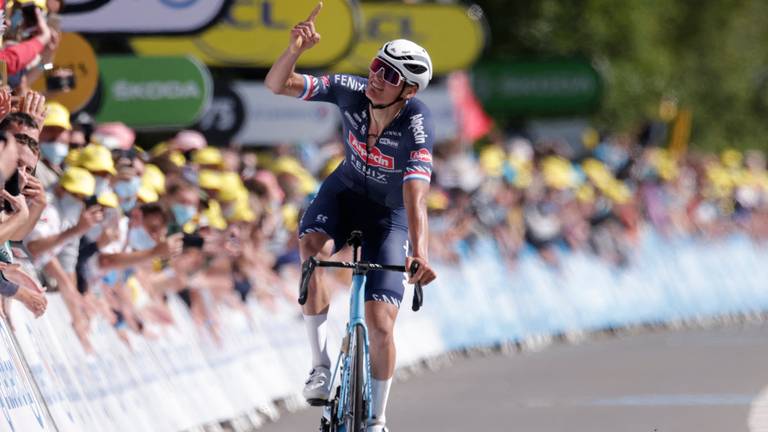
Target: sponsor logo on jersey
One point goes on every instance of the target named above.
(326, 80)
(370, 172)
(349, 82)
(421, 155)
(389, 142)
(417, 127)
(374, 158)
(349, 118)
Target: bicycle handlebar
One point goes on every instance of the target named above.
(308, 267)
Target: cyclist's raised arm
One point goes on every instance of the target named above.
(416, 180)
(282, 79)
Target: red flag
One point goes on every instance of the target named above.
(474, 123)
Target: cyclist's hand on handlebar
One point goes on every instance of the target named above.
(424, 275)
(303, 35)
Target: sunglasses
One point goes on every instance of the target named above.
(391, 75)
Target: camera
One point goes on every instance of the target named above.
(91, 201)
(60, 80)
(192, 241)
(29, 14)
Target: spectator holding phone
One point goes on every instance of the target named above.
(18, 57)
(15, 283)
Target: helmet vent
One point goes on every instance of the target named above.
(415, 68)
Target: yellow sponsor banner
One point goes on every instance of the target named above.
(75, 53)
(255, 33)
(453, 35)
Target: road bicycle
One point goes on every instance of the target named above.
(350, 408)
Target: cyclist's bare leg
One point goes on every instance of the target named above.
(316, 308)
(320, 246)
(380, 318)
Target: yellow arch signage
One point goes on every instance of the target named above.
(453, 35)
(254, 33)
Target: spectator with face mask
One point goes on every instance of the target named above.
(54, 144)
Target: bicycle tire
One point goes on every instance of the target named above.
(357, 380)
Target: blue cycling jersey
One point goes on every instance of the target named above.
(402, 153)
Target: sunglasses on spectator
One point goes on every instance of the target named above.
(391, 75)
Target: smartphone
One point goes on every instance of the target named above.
(29, 13)
(12, 187)
(91, 201)
(192, 241)
(60, 81)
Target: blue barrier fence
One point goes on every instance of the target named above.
(181, 378)
(483, 301)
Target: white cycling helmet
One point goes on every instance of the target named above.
(410, 59)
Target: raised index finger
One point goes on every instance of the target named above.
(315, 11)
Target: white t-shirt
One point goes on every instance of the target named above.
(95, 272)
(51, 223)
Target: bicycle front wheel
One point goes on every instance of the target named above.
(356, 421)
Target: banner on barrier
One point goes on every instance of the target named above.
(141, 16)
(153, 92)
(563, 86)
(255, 33)
(275, 119)
(249, 113)
(453, 35)
(225, 115)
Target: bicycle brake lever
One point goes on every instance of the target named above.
(307, 268)
(418, 292)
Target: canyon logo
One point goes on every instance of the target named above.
(376, 157)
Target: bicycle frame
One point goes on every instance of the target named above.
(356, 318)
(343, 368)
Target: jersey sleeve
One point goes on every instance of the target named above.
(336, 88)
(420, 136)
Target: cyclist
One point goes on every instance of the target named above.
(380, 188)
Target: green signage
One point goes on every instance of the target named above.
(547, 87)
(153, 92)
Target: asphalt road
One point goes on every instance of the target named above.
(686, 381)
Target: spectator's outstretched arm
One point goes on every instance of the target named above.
(169, 248)
(89, 217)
(18, 56)
(28, 291)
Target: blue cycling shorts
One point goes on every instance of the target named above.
(337, 211)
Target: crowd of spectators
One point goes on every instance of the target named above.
(116, 229)
(596, 196)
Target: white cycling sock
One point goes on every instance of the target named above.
(380, 395)
(317, 332)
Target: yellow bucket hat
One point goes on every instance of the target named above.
(208, 156)
(78, 181)
(58, 116)
(209, 179)
(147, 194)
(97, 158)
(108, 199)
(154, 178)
